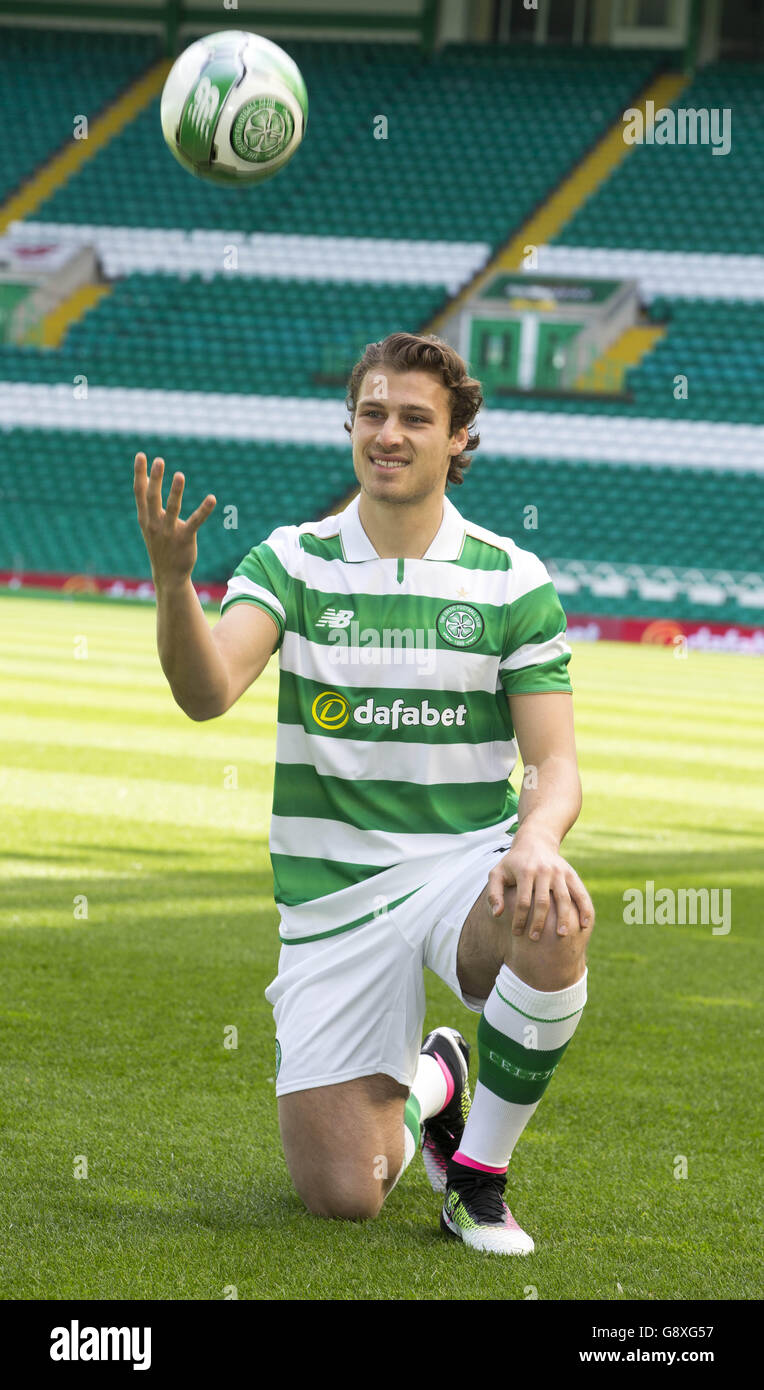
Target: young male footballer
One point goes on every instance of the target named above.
(417, 653)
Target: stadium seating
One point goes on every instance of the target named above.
(618, 539)
(262, 337)
(459, 121)
(174, 251)
(49, 78)
(671, 274)
(682, 197)
(718, 347)
(271, 484)
(589, 510)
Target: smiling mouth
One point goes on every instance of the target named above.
(389, 465)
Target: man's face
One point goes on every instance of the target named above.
(403, 419)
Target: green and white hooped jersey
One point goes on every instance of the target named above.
(395, 742)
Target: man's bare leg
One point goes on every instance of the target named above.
(347, 1145)
(344, 1144)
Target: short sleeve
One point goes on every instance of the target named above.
(263, 579)
(535, 655)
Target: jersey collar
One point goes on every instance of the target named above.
(446, 544)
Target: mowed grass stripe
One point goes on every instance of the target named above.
(87, 704)
(108, 906)
(640, 846)
(63, 667)
(240, 811)
(690, 752)
(128, 794)
(627, 721)
(148, 768)
(118, 678)
(707, 706)
(184, 762)
(135, 736)
(701, 793)
(20, 662)
(704, 678)
(742, 702)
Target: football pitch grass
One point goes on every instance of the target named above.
(116, 805)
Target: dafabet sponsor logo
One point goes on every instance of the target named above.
(333, 711)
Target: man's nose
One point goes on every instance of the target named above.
(389, 433)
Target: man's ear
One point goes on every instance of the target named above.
(459, 441)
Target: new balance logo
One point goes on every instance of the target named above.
(206, 98)
(335, 617)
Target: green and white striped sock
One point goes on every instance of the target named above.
(428, 1096)
(412, 1128)
(521, 1035)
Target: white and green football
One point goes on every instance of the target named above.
(234, 108)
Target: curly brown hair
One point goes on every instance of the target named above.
(413, 352)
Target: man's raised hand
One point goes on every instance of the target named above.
(171, 543)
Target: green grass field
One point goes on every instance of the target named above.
(113, 1023)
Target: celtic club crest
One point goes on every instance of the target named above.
(460, 625)
(262, 130)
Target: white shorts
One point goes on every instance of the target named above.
(354, 1004)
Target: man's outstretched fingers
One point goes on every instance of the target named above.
(140, 484)
(175, 497)
(202, 512)
(154, 490)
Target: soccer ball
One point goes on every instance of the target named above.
(234, 108)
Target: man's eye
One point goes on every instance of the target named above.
(418, 419)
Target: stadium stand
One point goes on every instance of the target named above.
(721, 351)
(228, 333)
(648, 504)
(467, 99)
(681, 197)
(97, 533)
(56, 76)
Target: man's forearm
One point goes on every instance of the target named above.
(550, 800)
(187, 652)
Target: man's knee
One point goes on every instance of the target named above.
(344, 1193)
(344, 1144)
(344, 1202)
(487, 941)
(550, 961)
(347, 1186)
